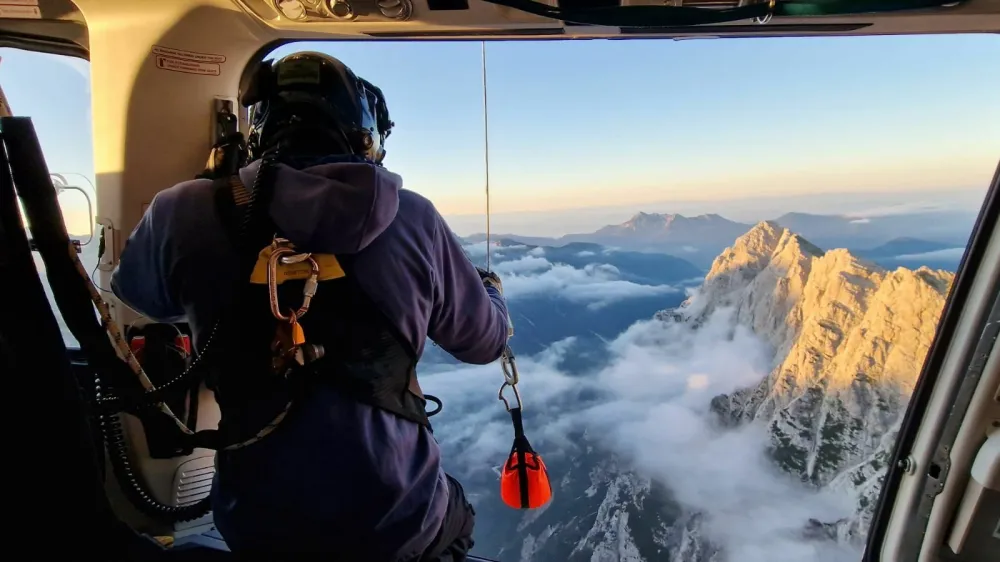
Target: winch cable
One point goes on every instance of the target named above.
(486, 152)
(682, 16)
(524, 479)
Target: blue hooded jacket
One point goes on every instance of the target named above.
(342, 473)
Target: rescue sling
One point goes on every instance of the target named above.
(524, 478)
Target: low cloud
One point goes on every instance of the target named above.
(689, 249)
(891, 210)
(585, 253)
(595, 285)
(522, 265)
(475, 250)
(652, 409)
(946, 254)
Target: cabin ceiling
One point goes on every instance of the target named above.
(61, 26)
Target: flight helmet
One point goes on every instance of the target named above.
(311, 104)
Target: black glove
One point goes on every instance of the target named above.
(490, 279)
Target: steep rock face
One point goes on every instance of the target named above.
(849, 339)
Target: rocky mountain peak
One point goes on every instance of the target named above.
(849, 339)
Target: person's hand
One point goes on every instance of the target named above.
(490, 279)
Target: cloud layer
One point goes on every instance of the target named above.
(595, 285)
(652, 408)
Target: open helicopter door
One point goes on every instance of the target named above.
(941, 496)
(37, 363)
(152, 488)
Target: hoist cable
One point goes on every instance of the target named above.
(486, 144)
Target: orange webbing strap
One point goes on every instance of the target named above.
(524, 480)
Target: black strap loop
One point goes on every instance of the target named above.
(515, 418)
(520, 450)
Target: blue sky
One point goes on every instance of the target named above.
(615, 126)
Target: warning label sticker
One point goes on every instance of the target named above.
(17, 11)
(187, 66)
(185, 55)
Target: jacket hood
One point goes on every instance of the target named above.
(336, 208)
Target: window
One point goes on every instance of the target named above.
(54, 90)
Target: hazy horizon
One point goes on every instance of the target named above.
(742, 209)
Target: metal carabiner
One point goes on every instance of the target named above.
(510, 377)
(517, 396)
(509, 367)
(281, 251)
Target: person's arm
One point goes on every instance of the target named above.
(142, 278)
(469, 320)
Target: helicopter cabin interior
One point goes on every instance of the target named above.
(165, 76)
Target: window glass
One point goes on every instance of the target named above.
(54, 90)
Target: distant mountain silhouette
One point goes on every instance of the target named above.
(950, 228)
(695, 239)
(913, 252)
(902, 246)
(700, 238)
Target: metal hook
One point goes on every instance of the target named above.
(510, 375)
(517, 396)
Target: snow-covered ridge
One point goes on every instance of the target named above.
(849, 341)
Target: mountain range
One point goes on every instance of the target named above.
(699, 239)
(843, 341)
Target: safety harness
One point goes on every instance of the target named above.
(305, 321)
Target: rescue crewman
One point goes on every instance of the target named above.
(354, 470)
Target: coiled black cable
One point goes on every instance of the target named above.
(110, 424)
(131, 482)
